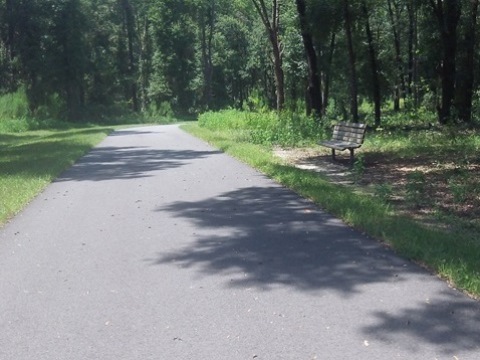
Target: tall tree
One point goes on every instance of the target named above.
(70, 58)
(9, 39)
(447, 13)
(272, 25)
(352, 60)
(399, 91)
(373, 63)
(129, 30)
(174, 59)
(314, 86)
(412, 88)
(207, 13)
(466, 75)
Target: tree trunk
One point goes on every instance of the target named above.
(374, 65)
(400, 85)
(448, 14)
(465, 79)
(351, 61)
(74, 101)
(9, 17)
(273, 28)
(10, 44)
(206, 38)
(145, 64)
(412, 85)
(314, 82)
(279, 76)
(326, 82)
(130, 28)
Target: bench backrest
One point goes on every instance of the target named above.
(350, 132)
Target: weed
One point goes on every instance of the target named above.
(459, 189)
(358, 168)
(415, 189)
(383, 191)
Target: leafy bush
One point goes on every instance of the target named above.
(14, 105)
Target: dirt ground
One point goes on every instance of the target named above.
(427, 188)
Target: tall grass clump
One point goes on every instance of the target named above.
(264, 127)
(14, 105)
(15, 116)
(229, 119)
(14, 111)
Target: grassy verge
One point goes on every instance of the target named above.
(453, 257)
(30, 160)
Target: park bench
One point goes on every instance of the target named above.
(346, 136)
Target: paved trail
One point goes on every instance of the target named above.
(157, 246)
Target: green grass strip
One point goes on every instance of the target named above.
(454, 257)
(30, 160)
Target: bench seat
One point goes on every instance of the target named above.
(339, 145)
(346, 136)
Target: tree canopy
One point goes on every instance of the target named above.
(187, 56)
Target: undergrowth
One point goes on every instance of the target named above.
(265, 127)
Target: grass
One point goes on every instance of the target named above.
(264, 127)
(35, 149)
(30, 160)
(454, 257)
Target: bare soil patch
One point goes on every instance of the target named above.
(430, 189)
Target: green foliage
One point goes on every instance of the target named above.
(73, 56)
(384, 192)
(459, 189)
(164, 109)
(420, 118)
(14, 105)
(15, 114)
(415, 189)
(32, 159)
(358, 168)
(267, 128)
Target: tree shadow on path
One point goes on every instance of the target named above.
(116, 163)
(268, 238)
(450, 320)
(271, 237)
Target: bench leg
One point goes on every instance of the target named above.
(352, 158)
(333, 154)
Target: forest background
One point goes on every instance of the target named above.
(353, 59)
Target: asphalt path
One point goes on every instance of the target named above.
(157, 246)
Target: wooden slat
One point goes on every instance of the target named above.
(346, 136)
(350, 132)
(340, 145)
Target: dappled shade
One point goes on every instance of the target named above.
(114, 163)
(267, 236)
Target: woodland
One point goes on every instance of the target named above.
(361, 60)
